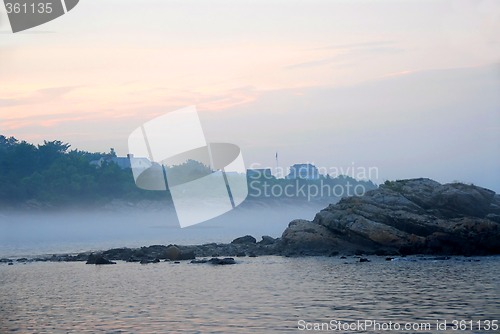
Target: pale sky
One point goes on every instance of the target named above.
(409, 87)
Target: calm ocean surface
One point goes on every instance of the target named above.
(257, 295)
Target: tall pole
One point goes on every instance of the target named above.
(277, 165)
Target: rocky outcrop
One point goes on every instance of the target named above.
(304, 238)
(244, 246)
(417, 216)
(247, 239)
(267, 240)
(403, 217)
(98, 259)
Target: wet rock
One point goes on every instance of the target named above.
(98, 259)
(363, 259)
(247, 239)
(174, 253)
(123, 254)
(147, 261)
(305, 238)
(199, 261)
(188, 255)
(224, 261)
(267, 240)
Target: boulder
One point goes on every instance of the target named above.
(267, 240)
(174, 253)
(98, 259)
(224, 261)
(199, 261)
(305, 238)
(146, 261)
(247, 239)
(118, 254)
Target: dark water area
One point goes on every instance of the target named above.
(257, 295)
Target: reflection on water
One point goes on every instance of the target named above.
(258, 295)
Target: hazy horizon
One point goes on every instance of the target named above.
(410, 88)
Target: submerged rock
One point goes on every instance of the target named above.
(224, 261)
(146, 261)
(199, 261)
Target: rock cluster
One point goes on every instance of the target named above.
(417, 216)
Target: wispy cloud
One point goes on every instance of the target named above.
(38, 96)
(47, 120)
(349, 52)
(358, 45)
(8, 102)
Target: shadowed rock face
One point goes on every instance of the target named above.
(404, 217)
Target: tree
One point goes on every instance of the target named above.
(50, 151)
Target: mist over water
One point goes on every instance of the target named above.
(28, 234)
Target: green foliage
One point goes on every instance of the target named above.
(395, 185)
(50, 174)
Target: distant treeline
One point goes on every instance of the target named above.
(52, 175)
(56, 176)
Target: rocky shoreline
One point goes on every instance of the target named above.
(416, 216)
(239, 247)
(407, 217)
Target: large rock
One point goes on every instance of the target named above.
(98, 259)
(174, 253)
(449, 200)
(247, 239)
(267, 240)
(304, 238)
(408, 216)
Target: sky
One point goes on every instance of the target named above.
(408, 87)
